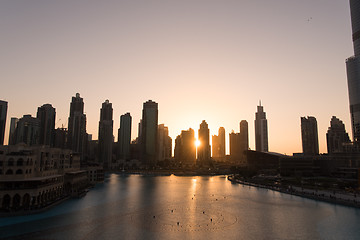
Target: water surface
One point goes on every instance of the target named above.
(170, 207)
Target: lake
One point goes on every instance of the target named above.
(171, 207)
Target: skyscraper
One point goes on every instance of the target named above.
(77, 125)
(336, 136)
(46, 115)
(309, 136)
(234, 143)
(244, 141)
(185, 149)
(203, 150)
(106, 134)
(3, 113)
(244, 136)
(149, 132)
(239, 143)
(218, 144)
(353, 71)
(28, 130)
(12, 132)
(261, 130)
(124, 136)
(60, 137)
(164, 149)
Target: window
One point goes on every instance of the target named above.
(11, 162)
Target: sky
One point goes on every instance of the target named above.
(199, 60)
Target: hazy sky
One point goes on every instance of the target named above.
(199, 59)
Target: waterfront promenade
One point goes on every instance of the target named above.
(336, 197)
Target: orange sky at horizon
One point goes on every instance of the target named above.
(199, 60)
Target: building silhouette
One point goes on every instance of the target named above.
(239, 143)
(12, 131)
(261, 130)
(185, 149)
(309, 136)
(76, 139)
(149, 132)
(164, 150)
(353, 71)
(124, 136)
(218, 145)
(60, 137)
(203, 150)
(3, 113)
(244, 136)
(46, 115)
(336, 136)
(106, 134)
(234, 142)
(27, 131)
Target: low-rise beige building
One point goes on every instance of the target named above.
(35, 177)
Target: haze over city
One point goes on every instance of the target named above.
(199, 60)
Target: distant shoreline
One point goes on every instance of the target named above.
(179, 173)
(349, 200)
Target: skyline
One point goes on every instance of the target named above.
(49, 56)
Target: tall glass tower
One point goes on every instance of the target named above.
(353, 71)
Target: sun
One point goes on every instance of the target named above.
(197, 142)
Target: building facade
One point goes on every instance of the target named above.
(124, 136)
(27, 131)
(218, 144)
(46, 115)
(106, 134)
(309, 136)
(336, 137)
(149, 133)
(185, 149)
(244, 135)
(34, 177)
(164, 150)
(353, 71)
(3, 113)
(12, 131)
(261, 130)
(203, 150)
(77, 125)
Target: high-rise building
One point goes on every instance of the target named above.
(106, 134)
(234, 143)
(149, 132)
(309, 136)
(164, 150)
(203, 150)
(261, 130)
(77, 126)
(46, 115)
(185, 149)
(336, 136)
(60, 138)
(239, 143)
(353, 71)
(139, 129)
(28, 130)
(215, 146)
(124, 136)
(218, 144)
(244, 136)
(12, 132)
(3, 113)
